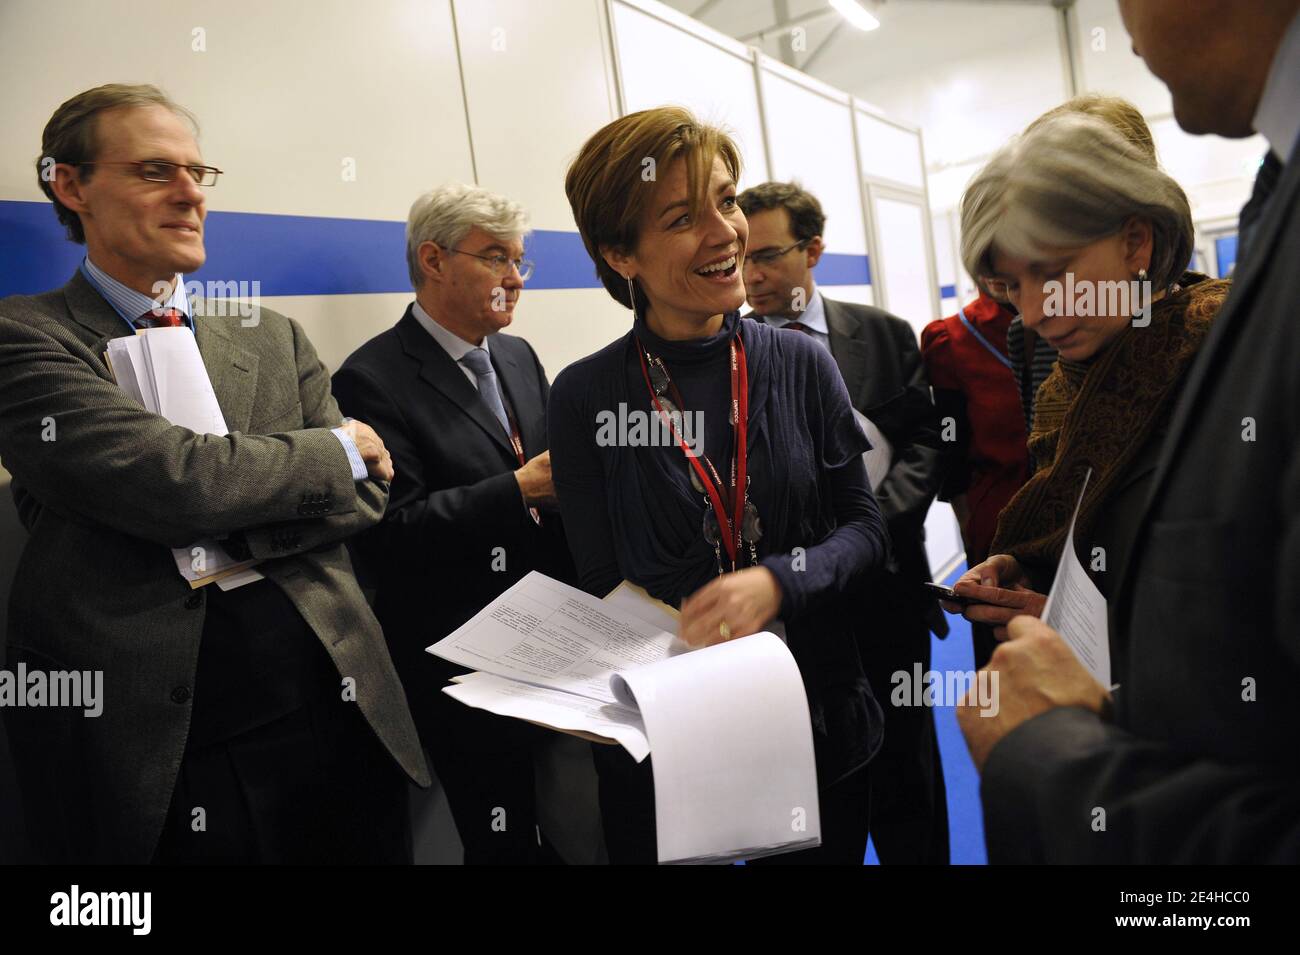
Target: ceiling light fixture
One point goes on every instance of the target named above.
(856, 14)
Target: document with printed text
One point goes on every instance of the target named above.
(1076, 609)
(728, 725)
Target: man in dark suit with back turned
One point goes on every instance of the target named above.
(1198, 762)
(261, 724)
(462, 408)
(878, 356)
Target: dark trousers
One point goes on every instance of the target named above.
(909, 810)
(627, 809)
(313, 787)
(485, 765)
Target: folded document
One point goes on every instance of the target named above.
(734, 773)
(162, 369)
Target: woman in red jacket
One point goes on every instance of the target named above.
(978, 400)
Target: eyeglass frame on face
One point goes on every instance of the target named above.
(501, 264)
(992, 284)
(762, 258)
(173, 167)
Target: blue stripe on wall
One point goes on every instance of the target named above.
(307, 255)
(947, 291)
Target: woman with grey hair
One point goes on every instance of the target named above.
(1078, 227)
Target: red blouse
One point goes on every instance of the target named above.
(974, 386)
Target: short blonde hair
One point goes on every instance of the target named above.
(1122, 116)
(1067, 182)
(608, 190)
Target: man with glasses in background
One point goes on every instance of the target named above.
(878, 356)
(260, 724)
(462, 408)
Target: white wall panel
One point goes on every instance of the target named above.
(904, 272)
(859, 294)
(662, 64)
(887, 151)
(537, 85)
(284, 93)
(811, 140)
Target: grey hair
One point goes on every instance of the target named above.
(1066, 183)
(448, 213)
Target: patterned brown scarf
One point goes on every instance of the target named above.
(1099, 415)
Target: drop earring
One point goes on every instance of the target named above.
(631, 296)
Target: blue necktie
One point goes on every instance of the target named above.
(478, 362)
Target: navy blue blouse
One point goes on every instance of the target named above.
(631, 512)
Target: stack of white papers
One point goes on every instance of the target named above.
(734, 772)
(162, 369)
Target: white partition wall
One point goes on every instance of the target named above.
(810, 139)
(892, 166)
(538, 82)
(665, 58)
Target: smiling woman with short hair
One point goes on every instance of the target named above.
(774, 519)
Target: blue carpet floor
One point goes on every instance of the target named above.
(965, 824)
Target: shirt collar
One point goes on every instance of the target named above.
(129, 303)
(813, 317)
(1278, 117)
(451, 343)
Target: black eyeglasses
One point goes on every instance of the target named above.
(501, 263)
(767, 258)
(155, 170)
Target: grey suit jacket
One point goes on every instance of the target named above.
(105, 488)
(1200, 763)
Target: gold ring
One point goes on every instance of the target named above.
(724, 630)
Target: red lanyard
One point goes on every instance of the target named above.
(739, 455)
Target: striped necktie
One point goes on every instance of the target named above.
(161, 318)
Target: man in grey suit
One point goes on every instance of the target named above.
(1194, 759)
(260, 724)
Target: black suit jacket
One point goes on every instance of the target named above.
(1200, 763)
(456, 533)
(878, 356)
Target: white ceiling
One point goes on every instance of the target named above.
(913, 34)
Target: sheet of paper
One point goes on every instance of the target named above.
(126, 360)
(206, 561)
(628, 596)
(553, 708)
(1076, 609)
(239, 578)
(544, 632)
(881, 455)
(185, 395)
(734, 773)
